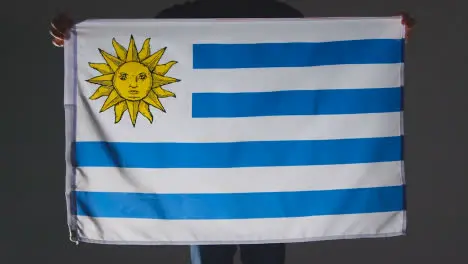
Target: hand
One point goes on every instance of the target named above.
(60, 29)
(409, 23)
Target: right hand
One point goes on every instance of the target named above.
(409, 22)
(60, 29)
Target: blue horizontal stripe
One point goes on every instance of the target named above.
(240, 205)
(264, 55)
(308, 102)
(238, 154)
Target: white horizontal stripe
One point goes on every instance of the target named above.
(246, 31)
(239, 180)
(358, 76)
(173, 128)
(301, 229)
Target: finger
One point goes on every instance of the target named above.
(407, 20)
(54, 32)
(58, 42)
(56, 36)
(404, 17)
(407, 34)
(56, 45)
(62, 23)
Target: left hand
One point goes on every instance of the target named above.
(60, 28)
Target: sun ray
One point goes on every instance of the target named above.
(145, 50)
(159, 80)
(145, 111)
(152, 61)
(112, 61)
(164, 68)
(113, 99)
(152, 99)
(101, 91)
(105, 80)
(132, 52)
(101, 67)
(119, 50)
(133, 110)
(120, 109)
(161, 93)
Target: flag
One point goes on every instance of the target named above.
(191, 132)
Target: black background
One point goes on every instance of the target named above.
(33, 216)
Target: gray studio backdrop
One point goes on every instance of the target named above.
(33, 219)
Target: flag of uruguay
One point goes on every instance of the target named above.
(230, 131)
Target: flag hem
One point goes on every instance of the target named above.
(235, 20)
(237, 242)
(402, 133)
(71, 84)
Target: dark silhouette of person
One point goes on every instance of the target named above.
(220, 254)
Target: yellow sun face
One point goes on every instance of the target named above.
(132, 80)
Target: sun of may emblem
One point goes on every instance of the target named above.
(132, 80)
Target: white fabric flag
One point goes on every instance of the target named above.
(234, 131)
